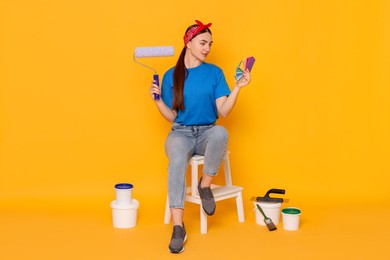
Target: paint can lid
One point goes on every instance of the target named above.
(292, 211)
(123, 186)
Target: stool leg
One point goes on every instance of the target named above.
(167, 217)
(240, 208)
(194, 178)
(228, 175)
(203, 221)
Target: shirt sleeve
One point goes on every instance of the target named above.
(222, 88)
(167, 88)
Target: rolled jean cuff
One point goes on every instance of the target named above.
(176, 207)
(210, 173)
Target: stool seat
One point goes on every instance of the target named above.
(220, 192)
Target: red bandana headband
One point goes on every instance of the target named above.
(191, 33)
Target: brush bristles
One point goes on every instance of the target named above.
(160, 51)
(271, 226)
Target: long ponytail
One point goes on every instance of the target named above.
(180, 74)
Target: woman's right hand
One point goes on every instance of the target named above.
(154, 89)
(165, 111)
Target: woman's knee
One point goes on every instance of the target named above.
(219, 133)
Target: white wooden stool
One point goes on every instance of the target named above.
(220, 192)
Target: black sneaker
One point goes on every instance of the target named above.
(207, 197)
(179, 236)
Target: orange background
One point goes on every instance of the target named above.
(76, 117)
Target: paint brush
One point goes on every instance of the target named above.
(271, 226)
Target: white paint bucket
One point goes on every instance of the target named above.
(291, 217)
(124, 216)
(123, 193)
(271, 210)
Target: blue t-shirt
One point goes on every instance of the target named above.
(203, 85)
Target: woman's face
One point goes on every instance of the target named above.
(200, 45)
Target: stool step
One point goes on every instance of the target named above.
(219, 192)
(225, 190)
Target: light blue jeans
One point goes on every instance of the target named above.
(181, 144)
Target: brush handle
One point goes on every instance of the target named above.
(157, 82)
(261, 210)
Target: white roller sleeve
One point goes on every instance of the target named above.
(160, 51)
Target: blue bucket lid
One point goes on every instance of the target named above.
(123, 186)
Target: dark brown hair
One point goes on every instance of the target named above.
(180, 74)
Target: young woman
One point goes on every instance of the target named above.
(193, 95)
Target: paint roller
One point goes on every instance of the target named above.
(149, 52)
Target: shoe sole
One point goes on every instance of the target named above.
(208, 214)
(181, 251)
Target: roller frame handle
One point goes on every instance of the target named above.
(157, 82)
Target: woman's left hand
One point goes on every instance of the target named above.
(244, 80)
